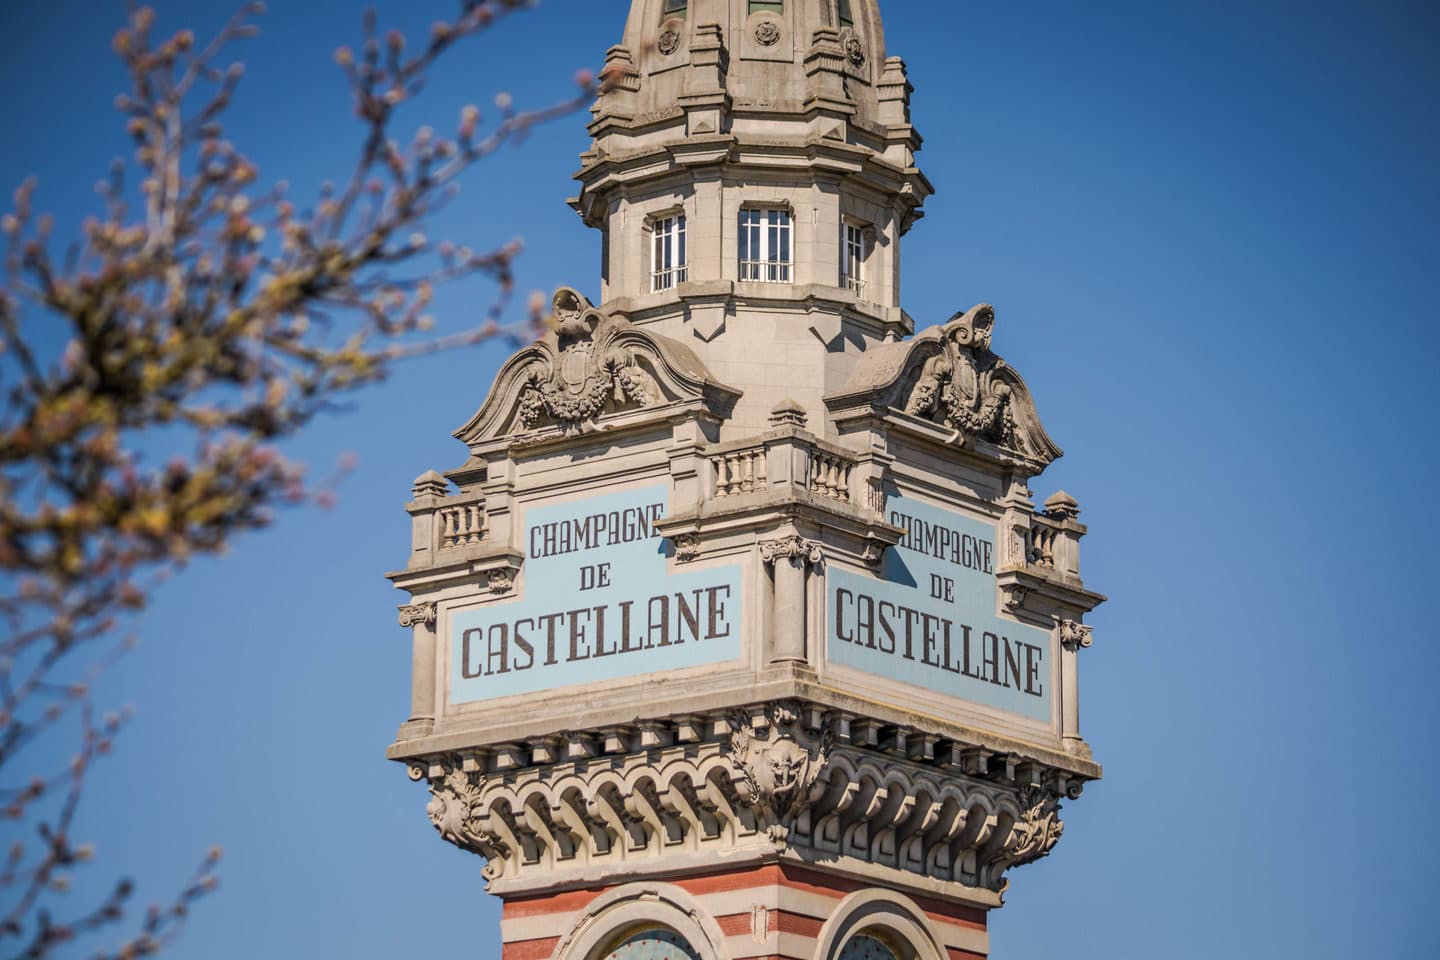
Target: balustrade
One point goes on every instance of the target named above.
(740, 471)
(461, 524)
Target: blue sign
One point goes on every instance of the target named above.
(930, 619)
(599, 605)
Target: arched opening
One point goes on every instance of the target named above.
(653, 943)
(867, 947)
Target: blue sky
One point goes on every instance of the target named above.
(1209, 230)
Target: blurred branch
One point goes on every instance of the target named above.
(207, 315)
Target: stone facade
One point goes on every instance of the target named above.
(739, 620)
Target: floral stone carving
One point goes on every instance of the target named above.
(778, 775)
(589, 374)
(767, 33)
(668, 42)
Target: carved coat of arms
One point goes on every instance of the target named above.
(964, 385)
(588, 374)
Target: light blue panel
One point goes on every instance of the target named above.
(930, 619)
(598, 605)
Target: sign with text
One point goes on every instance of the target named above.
(599, 604)
(930, 619)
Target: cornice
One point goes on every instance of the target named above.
(769, 779)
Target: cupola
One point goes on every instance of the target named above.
(752, 170)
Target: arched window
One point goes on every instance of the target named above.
(866, 948)
(653, 944)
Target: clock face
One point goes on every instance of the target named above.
(866, 948)
(654, 945)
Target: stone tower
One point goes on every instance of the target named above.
(737, 634)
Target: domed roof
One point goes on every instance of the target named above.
(770, 55)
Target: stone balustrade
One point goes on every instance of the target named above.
(461, 521)
(787, 457)
(441, 521)
(740, 471)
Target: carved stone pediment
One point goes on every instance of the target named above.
(588, 368)
(948, 376)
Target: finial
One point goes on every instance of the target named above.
(788, 413)
(1062, 506)
(430, 484)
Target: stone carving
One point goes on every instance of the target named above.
(962, 386)
(949, 376)
(417, 613)
(454, 798)
(588, 366)
(590, 373)
(687, 548)
(500, 581)
(795, 549)
(1034, 834)
(778, 774)
(855, 50)
(1013, 596)
(1074, 635)
(668, 42)
(767, 33)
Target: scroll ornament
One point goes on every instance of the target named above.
(963, 386)
(779, 775)
(453, 798)
(589, 375)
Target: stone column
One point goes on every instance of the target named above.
(420, 617)
(1073, 636)
(791, 557)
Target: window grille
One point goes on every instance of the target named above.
(668, 265)
(765, 255)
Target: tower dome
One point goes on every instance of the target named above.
(752, 170)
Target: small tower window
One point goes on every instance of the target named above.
(674, 8)
(765, 245)
(844, 14)
(668, 265)
(854, 252)
(767, 6)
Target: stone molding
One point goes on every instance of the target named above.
(783, 777)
